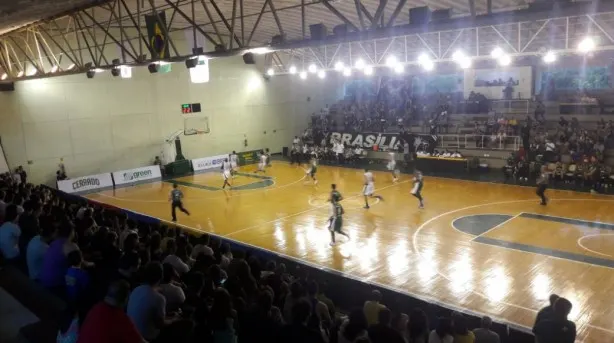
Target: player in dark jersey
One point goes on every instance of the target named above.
(335, 196)
(542, 185)
(175, 198)
(336, 222)
(417, 188)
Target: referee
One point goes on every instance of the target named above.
(175, 197)
(542, 185)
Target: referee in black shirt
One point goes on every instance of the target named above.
(175, 198)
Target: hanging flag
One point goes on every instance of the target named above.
(157, 39)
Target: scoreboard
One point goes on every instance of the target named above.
(190, 108)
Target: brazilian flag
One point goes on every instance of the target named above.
(157, 39)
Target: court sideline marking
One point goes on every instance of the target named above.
(429, 221)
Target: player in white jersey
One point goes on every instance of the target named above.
(234, 163)
(226, 173)
(262, 163)
(369, 187)
(313, 169)
(392, 167)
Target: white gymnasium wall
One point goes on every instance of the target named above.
(107, 124)
(524, 76)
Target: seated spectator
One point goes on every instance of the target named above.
(171, 290)
(295, 295)
(382, 332)
(69, 323)
(418, 326)
(320, 317)
(36, 250)
(55, 264)
(484, 334)
(77, 279)
(326, 300)
(202, 247)
(28, 223)
(354, 329)
(147, 307)
(556, 328)
(297, 331)
(442, 332)
(9, 235)
(461, 331)
(372, 307)
(223, 317)
(261, 323)
(225, 256)
(172, 259)
(106, 322)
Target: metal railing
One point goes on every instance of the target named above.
(511, 106)
(484, 142)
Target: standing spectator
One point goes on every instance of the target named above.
(442, 332)
(372, 307)
(546, 312)
(170, 289)
(354, 329)
(418, 326)
(295, 295)
(55, 263)
(107, 323)
(22, 174)
(461, 332)
(223, 318)
(320, 317)
(147, 307)
(9, 234)
(28, 223)
(557, 328)
(172, 259)
(382, 332)
(2, 204)
(202, 247)
(485, 334)
(77, 279)
(297, 331)
(35, 251)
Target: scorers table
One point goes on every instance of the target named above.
(442, 164)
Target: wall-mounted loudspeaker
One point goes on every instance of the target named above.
(419, 15)
(440, 15)
(7, 86)
(248, 58)
(153, 67)
(318, 31)
(340, 30)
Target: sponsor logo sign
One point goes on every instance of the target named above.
(137, 175)
(208, 162)
(85, 183)
(391, 141)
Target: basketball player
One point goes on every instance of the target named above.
(336, 222)
(313, 169)
(175, 197)
(268, 157)
(262, 163)
(542, 185)
(234, 163)
(226, 173)
(369, 187)
(392, 167)
(335, 196)
(417, 189)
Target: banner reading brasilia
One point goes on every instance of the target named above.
(388, 141)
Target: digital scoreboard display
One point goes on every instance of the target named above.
(190, 108)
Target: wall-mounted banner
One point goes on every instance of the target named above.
(390, 141)
(86, 183)
(123, 177)
(158, 44)
(205, 163)
(248, 157)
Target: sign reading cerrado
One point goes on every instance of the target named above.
(85, 182)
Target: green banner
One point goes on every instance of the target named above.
(248, 157)
(158, 44)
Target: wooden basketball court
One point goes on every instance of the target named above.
(489, 248)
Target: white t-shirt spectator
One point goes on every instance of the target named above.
(550, 146)
(434, 338)
(486, 336)
(9, 240)
(200, 249)
(81, 212)
(296, 141)
(17, 178)
(123, 235)
(174, 295)
(145, 305)
(180, 266)
(35, 253)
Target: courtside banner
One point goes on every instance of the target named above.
(391, 141)
(136, 175)
(205, 163)
(86, 183)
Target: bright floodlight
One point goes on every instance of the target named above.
(423, 58)
(391, 61)
(347, 72)
(54, 68)
(549, 57)
(4, 76)
(496, 52)
(70, 66)
(505, 60)
(339, 66)
(292, 70)
(360, 64)
(303, 75)
(368, 70)
(458, 56)
(465, 63)
(428, 65)
(586, 45)
(399, 69)
(321, 74)
(20, 74)
(270, 72)
(312, 68)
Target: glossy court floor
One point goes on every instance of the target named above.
(488, 248)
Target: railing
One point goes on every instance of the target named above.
(485, 142)
(511, 106)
